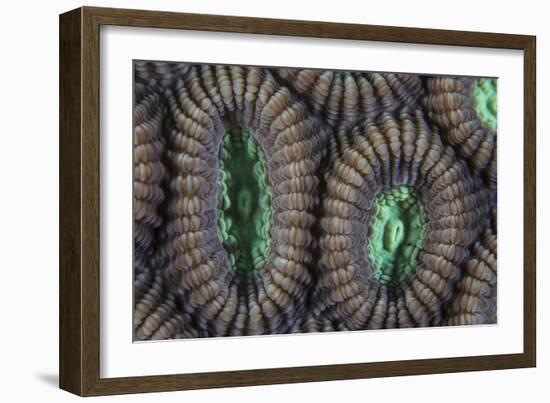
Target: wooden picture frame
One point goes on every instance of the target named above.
(79, 201)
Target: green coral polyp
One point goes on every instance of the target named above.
(245, 215)
(485, 95)
(397, 231)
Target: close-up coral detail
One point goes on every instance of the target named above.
(464, 109)
(397, 231)
(282, 200)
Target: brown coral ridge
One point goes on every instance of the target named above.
(450, 104)
(158, 74)
(207, 102)
(344, 98)
(149, 171)
(158, 313)
(384, 154)
(315, 324)
(475, 301)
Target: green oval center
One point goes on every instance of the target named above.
(245, 215)
(485, 94)
(397, 231)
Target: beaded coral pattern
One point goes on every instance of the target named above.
(279, 200)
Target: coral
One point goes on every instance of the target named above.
(246, 216)
(149, 171)
(465, 111)
(343, 98)
(278, 200)
(158, 312)
(485, 94)
(398, 229)
(156, 315)
(383, 162)
(158, 74)
(280, 186)
(475, 299)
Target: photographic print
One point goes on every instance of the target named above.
(275, 200)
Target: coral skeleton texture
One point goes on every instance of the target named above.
(279, 200)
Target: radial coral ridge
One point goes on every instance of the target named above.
(344, 98)
(298, 200)
(465, 110)
(149, 171)
(158, 74)
(475, 301)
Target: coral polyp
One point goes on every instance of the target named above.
(378, 287)
(288, 200)
(485, 95)
(397, 231)
(245, 217)
(243, 156)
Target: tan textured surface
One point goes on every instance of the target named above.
(332, 141)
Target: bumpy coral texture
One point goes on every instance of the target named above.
(464, 109)
(384, 154)
(284, 200)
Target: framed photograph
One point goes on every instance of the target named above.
(249, 201)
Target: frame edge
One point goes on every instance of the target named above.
(303, 28)
(70, 279)
(530, 202)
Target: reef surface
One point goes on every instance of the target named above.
(277, 200)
